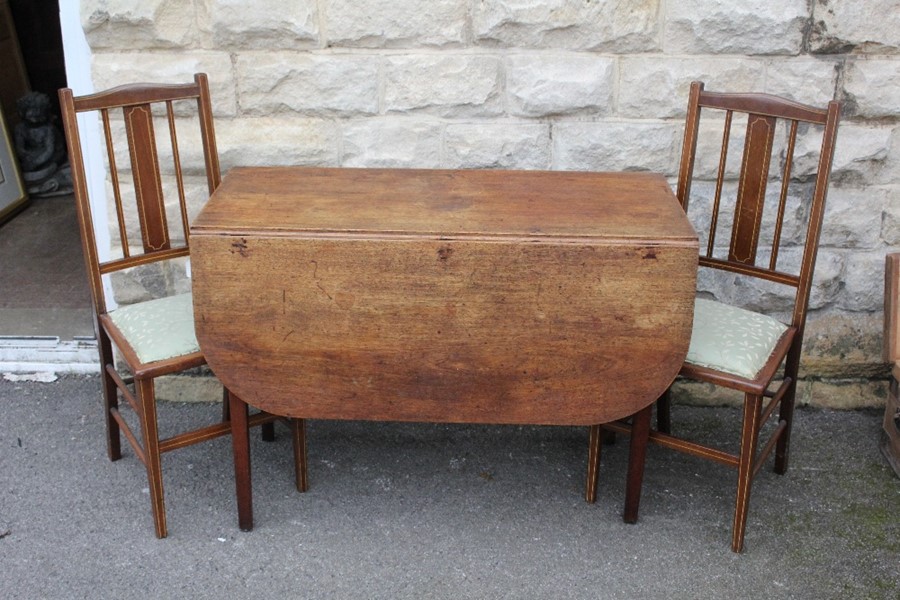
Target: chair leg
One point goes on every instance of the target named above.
(146, 399)
(226, 407)
(301, 467)
(749, 437)
(267, 432)
(595, 440)
(664, 412)
(786, 410)
(110, 398)
(240, 440)
(640, 438)
(786, 414)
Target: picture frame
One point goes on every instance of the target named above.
(13, 196)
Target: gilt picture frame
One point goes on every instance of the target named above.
(13, 196)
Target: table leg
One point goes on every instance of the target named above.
(593, 472)
(298, 434)
(640, 437)
(240, 439)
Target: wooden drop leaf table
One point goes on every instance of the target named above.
(481, 296)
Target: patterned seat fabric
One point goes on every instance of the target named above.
(158, 329)
(732, 340)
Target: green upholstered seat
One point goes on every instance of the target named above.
(158, 329)
(731, 339)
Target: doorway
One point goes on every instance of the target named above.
(43, 287)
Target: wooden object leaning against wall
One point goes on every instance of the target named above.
(890, 443)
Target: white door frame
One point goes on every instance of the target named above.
(78, 77)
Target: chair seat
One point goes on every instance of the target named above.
(731, 339)
(158, 329)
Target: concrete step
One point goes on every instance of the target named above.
(48, 354)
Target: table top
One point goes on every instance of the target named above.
(446, 204)
(450, 296)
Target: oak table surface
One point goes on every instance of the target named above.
(538, 297)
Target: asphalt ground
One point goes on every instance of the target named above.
(405, 510)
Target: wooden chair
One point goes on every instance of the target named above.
(730, 346)
(153, 337)
(890, 441)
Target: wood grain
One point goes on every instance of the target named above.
(444, 296)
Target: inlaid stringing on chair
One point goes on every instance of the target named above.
(153, 337)
(730, 346)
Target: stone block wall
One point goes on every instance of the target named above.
(553, 84)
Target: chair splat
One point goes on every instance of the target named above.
(751, 195)
(147, 184)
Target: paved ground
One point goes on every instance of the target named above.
(44, 287)
(434, 511)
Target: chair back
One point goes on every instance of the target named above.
(155, 208)
(772, 126)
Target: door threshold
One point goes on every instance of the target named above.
(48, 354)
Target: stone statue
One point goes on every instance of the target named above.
(41, 147)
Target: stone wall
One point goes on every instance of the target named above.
(554, 84)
